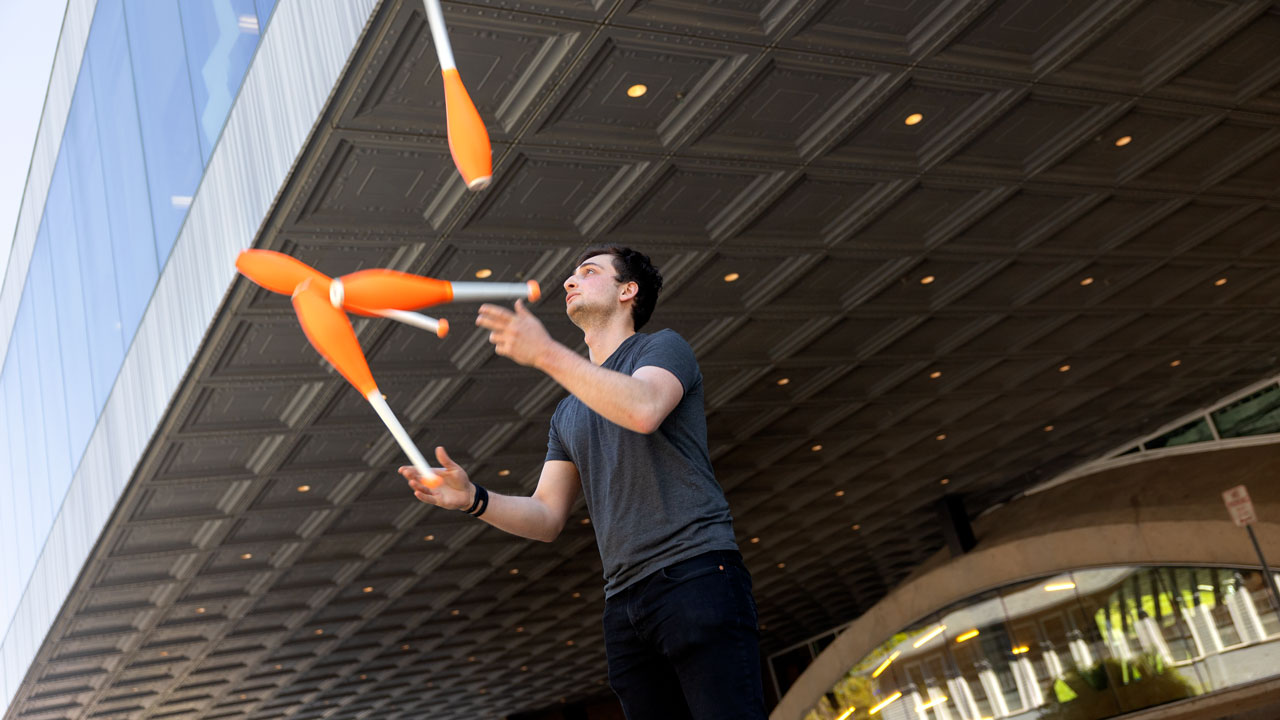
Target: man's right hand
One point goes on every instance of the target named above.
(455, 492)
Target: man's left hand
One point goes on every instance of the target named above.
(518, 335)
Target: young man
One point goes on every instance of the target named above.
(680, 622)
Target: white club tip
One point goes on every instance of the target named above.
(479, 183)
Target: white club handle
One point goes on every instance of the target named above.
(471, 291)
(440, 35)
(398, 432)
(440, 328)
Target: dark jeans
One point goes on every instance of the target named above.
(683, 642)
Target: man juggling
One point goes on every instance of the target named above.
(680, 621)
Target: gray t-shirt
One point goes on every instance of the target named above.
(653, 499)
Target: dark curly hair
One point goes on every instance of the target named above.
(631, 266)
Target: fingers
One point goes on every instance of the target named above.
(445, 461)
(493, 317)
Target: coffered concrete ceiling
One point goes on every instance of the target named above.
(1070, 270)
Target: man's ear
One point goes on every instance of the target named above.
(629, 291)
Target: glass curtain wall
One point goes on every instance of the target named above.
(1081, 646)
(155, 85)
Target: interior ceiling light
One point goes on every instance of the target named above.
(247, 556)
(1086, 282)
(319, 631)
(783, 381)
(935, 374)
(913, 119)
(755, 540)
(1048, 428)
(927, 280)
(1064, 368)
(637, 90)
(885, 665)
(857, 527)
(199, 611)
(941, 436)
(929, 636)
(782, 565)
(483, 273)
(304, 488)
(504, 473)
(1220, 282)
(1058, 587)
(1124, 140)
(577, 595)
(731, 277)
(816, 448)
(515, 571)
(428, 538)
(367, 589)
(885, 703)
(1175, 363)
(839, 493)
(967, 635)
(944, 481)
(1020, 650)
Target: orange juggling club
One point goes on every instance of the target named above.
(468, 140)
(329, 331)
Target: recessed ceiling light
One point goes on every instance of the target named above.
(364, 677)
(941, 436)
(1048, 428)
(514, 571)
(839, 493)
(367, 589)
(1064, 368)
(1220, 282)
(455, 613)
(199, 611)
(569, 643)
(504, 472)
(279, 667)
(164, 653)
(247, 556)
(586, 521)
(471, 658)
(524, 668)
(783, 381)
(857, 527)
(913, 119)
(755, 540)
(731, 277)
(1087, 281)
(1175, 363)
(1124, 140)
(404, 647)
(944, 481)
(816, 448)
(319, 631)
(428, 538)
(304, 488)
(637, 90)
(483, 273)
(927, 280)
(577, 595)
(781, 565)
(519, 628)
(935, 374)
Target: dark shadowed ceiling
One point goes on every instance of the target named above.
(1076, 302)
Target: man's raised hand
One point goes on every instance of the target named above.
(518, 334)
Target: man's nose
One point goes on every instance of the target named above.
(570, 284)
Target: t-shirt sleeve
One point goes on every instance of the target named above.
(555, 448)
(667, 350)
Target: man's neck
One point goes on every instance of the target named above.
(603, 340)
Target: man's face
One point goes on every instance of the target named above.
(593, 290)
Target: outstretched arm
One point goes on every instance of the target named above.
(638, 402)
(540, 516)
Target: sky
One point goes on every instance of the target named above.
(33, 27)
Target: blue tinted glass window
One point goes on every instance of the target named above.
(73, 334)
(220, 36)
(18, 425)
(9, 579)
(37, 475)
(93, 240)
(166, 113)
(52, 396)
(128, 202)
(264, 12)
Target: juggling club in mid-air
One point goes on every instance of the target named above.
(468, 140)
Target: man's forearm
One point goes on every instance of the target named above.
(527, 517)
(619, 398)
